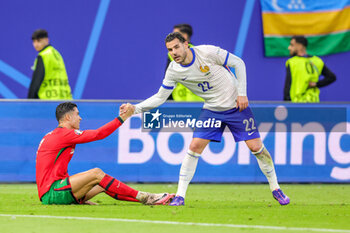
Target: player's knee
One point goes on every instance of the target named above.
(98, 173)
(196, 147)
(255, 147)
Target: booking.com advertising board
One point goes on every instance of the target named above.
(308, 142)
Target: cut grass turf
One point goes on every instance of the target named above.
(312, 206)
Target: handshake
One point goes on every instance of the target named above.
(126, 111)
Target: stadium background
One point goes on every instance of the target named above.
(115, 50)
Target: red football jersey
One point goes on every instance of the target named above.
(57, 148)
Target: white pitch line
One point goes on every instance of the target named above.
(181, 223)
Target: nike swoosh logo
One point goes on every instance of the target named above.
(183, 79)
(164, 195)
(251, 133)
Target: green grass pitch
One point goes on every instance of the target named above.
(209, 208)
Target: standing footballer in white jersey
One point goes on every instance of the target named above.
(203, 69)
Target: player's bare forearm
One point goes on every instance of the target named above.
(242, 102)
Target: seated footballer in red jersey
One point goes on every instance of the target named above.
(56, 150)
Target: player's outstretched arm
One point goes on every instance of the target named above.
(78, 137)
(154, 101)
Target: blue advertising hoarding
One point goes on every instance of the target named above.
(308, 142)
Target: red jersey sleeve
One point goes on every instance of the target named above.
(77, 137)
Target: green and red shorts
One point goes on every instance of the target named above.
(60, 193)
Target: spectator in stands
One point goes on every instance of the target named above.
(181, 93)
(50, 80)
(303, 71)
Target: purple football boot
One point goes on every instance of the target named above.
(280, 197)
(177, 201)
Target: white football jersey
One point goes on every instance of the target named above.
(207, 76)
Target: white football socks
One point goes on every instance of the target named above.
(266, 165)
(188, 168)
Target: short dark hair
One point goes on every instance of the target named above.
(40, 33)
(300, 40)
(172, 36)
(185, 28)
(64, 108)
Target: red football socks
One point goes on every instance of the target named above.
(121, 197)
(116, 187)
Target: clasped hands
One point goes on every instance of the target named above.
(126, 111)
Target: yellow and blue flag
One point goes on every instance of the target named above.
(325, 23)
